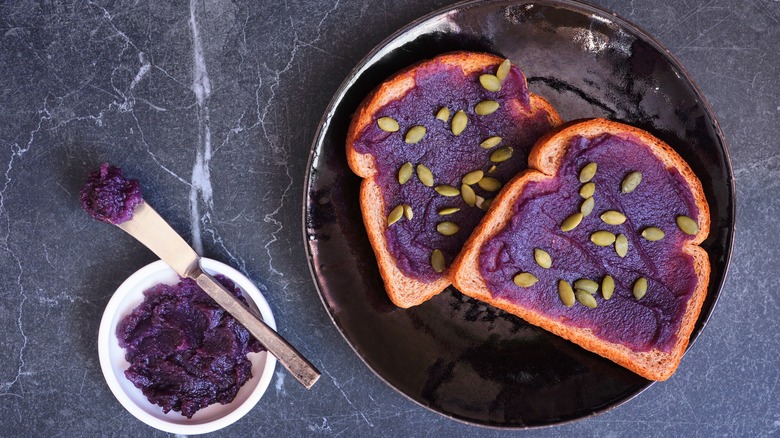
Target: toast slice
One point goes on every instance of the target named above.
(645, 329)
(430, 94)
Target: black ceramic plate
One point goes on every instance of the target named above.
(458, 356)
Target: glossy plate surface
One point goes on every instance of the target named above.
(457, 356)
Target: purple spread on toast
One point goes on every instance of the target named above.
(185, 351)
(640, 325)
(110, 197)
(448, 156)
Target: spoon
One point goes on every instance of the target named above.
(149, 228)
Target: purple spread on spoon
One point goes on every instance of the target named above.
(449, 157)
(640, 324)
(185, 351)
(110, 197)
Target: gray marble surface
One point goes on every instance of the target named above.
(213, 105)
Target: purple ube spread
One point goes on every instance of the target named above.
(662, 195)
(185, 351)
(109, 197)
(448, 156)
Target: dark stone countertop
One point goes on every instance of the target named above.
(237, 102)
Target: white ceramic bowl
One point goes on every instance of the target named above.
(113, 363)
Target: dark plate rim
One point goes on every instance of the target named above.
(350, 80)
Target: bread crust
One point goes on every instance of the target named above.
(405, 291)
(544, 161)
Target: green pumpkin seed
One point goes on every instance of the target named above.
(630, 182)
(490, 142)
(587, 206)
(587, 172)
(587, 190)
(447, 228)
(405, 172)
(415, 134)
(640, 288)
(503, 70)
(395, 215)
(408, 213)
(469, 197)
(443, 114)
(437, 260)
(446, 190)
(525, 279)
(459, 122)
(490, 82)
(571, 222)
(587, 285)
(613, 217)
(687, 225)
(492, 169)
(448, 210)
(607, 287)
(388, 124)
(473, 177)
(542, 258)
(424, 175)
(501, 155)
(486, 204)
(565, 293)
(489, 184)
(653, 234)
(602, 238)
(585, 299)
(486, 107)
(621, 245)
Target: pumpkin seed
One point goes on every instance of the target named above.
(492, 169)
(585, 299)
(525, 279)
(489, 183)
(613, 217)
(447, 228)
(437, 260)
(404, 173)
(446, 190)
(571, 222)
(687, 225)
(602, 238)
(459, 122)
(490, 82)
(503, 70)
(542, 258)
(587, 285)
(486, 204)
(587, 172)
(587, 190)
(395, 215)
(640, 288)
(415, 134)
(587, 206)
(408, 213)
(607, 287)
(469, 197)
(486, 107)
(473, 177)
(490, 142)
(621, 245)
(443, 114)
(448, 210)
(630, 182)
(424, 175)
(388, 124)
(566, 293)
(501, 155)
(653, 234)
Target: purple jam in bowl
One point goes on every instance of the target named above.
(186, 352)
(109, 197)
(641, 325)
